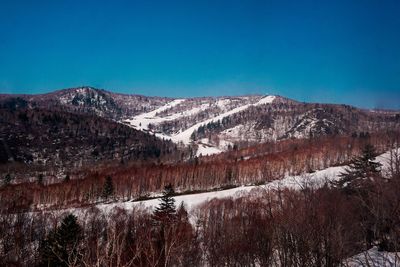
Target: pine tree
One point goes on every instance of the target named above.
(361, 170)
(166, 210)
(61, 245)
(7, 179)
(165, 218)
(108, 188)
(40, 179)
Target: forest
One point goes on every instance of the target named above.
(310, 227)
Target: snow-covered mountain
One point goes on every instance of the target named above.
(214, 124)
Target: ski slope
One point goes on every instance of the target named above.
(184, 136)
(142, 121)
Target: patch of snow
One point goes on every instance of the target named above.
(191, 200)
(224, 145)
(222, 103)
(142, 121)
(266, 100)
(374, 257)
(206, 150)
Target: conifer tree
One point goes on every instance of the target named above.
(61, 245)
(164, 217)
(40, 179)
(166, 210)
(108, 188)
(7, 179)
(361, 169)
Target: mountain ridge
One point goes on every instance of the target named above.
(211, 125)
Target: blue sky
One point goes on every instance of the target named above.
(325, 51)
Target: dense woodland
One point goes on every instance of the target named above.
(311, 227)
(55, 143)
(135, 181)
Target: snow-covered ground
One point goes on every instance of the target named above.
(206, 150)
(374, 258)
(142, 121)
(315, 180)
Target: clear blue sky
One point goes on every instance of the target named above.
(326, 51)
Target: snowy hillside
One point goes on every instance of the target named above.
(187, 111)
(316, 179)
(213, 124)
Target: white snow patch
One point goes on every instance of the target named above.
(374, 257)
(222, 103)
(206, 150)
(142, 121)
(266, 100)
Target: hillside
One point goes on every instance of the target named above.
(214, 124)
(56, 143)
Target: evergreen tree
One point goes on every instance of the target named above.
(166, 210)
(361, 170)
(165, 218)
(108, 188)
(60, 248)
(7, 179)
(40, 179)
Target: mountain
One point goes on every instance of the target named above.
(218, 124)
(67, 130)
(214, 124)
(55, 142)
(88, 100)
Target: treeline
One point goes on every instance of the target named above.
(132, 181)
(311, 227)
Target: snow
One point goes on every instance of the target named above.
(206, 150)
(314, 180)
(185, 135)
(224, 145)
(374, 257)
(266, 100)
(222, 103)
(191, 200)
(242, 130)
(142, 121)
